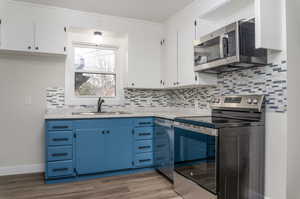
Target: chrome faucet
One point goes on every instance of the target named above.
(100, 102)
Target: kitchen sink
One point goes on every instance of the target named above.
(101, 113)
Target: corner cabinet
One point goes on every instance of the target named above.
(179, 58)
(25, 35)
(97, 147)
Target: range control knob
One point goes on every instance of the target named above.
(255, 101)
(218, 100)
(249, 101)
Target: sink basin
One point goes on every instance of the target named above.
(101, 113)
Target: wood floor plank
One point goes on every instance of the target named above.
(148, 185)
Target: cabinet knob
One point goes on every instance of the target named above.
(132, 84)
(29, 47)
(103, 132)
(37, 48)
(108, 132)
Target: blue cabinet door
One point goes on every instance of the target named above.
(90, 151)
(119, 148)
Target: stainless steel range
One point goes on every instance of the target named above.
(222, 156)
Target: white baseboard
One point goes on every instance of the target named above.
(22, 169)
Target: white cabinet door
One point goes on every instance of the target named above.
(18, 34)
(186, 75)
(269, 24)
(171, 59)
(144, 63)
(50, 38)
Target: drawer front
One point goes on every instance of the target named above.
(144, 122)
(144, 160)
(143, 133)
(162, 145)
(58, 138)
(60, 153)
(143, 146)
(102, 123)
(60, 169)
(59, 125)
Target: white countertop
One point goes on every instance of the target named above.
(167, 115)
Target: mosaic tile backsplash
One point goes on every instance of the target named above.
(270, 80)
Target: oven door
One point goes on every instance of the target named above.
(195, 155)
(208, 51)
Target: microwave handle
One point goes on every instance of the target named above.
(224, 46)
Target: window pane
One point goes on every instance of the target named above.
(92, 84)
(93, 59)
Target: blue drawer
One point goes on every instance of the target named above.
(58, 138)
(60, 153)
(59, 125)
(143, 160)
(60, 169)
(102, 123)
(143, 133)
(140, 122)
(143, 146)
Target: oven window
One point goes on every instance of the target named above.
(195, 158)
(207, 52)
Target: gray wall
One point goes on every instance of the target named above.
(22, 126)
(293, 136)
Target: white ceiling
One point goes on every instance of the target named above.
(152, 10)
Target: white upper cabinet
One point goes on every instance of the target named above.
(269, 24)
(170, 64)
(50, 38)
(18, 34)
(144, 59)
(179, 55)
(24, 34)
(186, 74)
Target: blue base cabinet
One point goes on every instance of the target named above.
(90, 151)
(77, 148)
(118, 147)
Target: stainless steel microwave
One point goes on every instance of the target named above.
(229, 48)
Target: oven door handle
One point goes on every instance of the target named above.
(197, 129)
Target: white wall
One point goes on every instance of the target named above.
(293, 137)
(276, 134)
(21, 143)
(22, 134)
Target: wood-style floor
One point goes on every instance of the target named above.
(148, 185)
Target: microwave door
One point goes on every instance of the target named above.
(208, 51)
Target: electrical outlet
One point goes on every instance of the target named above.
(28, 100)
(196, 105)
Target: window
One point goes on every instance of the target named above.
(95, 72)
(92, 71)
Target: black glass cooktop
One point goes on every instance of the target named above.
(213, 121)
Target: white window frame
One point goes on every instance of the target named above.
(70, 97)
